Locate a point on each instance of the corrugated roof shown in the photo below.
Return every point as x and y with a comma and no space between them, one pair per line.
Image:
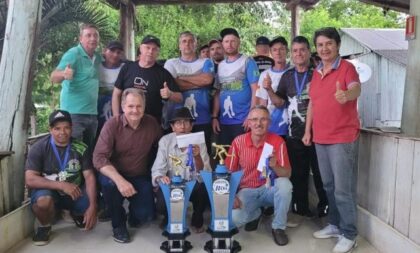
389,43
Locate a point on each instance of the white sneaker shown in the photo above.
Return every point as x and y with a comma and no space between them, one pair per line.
344,245
327,232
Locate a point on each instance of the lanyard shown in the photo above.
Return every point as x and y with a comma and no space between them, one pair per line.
299,86
61,163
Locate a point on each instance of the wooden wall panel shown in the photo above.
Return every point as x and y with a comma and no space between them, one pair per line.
414,227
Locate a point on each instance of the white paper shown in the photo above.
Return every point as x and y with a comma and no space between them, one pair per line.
186,139
266,152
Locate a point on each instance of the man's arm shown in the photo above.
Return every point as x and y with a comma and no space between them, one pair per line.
254,87
34,180
199,80
215,114
116,101
57,76
307,137
90,215
279,161
185,85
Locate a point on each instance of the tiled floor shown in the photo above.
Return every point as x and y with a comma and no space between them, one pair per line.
66,238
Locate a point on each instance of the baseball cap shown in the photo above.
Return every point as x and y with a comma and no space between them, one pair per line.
59,115
181,113
151,39
229,31
262,40
115,44
203,47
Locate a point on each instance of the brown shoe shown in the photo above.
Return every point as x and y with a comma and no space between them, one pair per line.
280,237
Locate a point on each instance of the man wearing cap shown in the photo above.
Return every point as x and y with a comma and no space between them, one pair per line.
59,174
163,169
108,72
121,156
204,51
293,92
194,76
262,55
78,74
237,78
259,189
270,78
148,76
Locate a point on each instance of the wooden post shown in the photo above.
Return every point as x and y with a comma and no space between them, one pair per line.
23,20
127,16
295,21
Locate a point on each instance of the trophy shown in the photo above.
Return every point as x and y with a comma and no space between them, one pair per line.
177,195
221,187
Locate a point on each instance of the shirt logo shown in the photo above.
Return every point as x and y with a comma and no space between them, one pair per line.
140,83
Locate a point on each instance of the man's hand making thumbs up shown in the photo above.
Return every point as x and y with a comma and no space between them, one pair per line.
341,95
267,82
68,73
165,92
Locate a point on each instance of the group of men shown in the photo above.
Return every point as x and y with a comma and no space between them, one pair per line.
257,100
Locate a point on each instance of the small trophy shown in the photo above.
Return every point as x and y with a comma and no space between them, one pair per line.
177,195
221,187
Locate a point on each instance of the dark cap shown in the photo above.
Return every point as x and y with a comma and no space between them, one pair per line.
211,42
151,39
181,113
115,44
262,40
203,47
279,39
59,115
229,31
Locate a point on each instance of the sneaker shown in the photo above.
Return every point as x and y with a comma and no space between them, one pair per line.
78,221
293,220
327,232
280,237
252,225
42,236
344,245
121,234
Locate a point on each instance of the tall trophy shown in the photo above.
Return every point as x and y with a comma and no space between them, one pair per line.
177,195
221,187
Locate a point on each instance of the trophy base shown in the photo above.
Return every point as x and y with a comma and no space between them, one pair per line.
176,246
222,247
222,242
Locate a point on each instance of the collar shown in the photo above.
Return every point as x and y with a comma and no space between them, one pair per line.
248,140
125,121
335,65
82,51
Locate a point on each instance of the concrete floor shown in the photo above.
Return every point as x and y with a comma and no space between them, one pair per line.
66,238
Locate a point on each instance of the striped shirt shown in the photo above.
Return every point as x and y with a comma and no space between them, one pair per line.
246,156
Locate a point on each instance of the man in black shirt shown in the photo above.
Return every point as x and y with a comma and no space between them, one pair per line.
156,82
262,57
59,174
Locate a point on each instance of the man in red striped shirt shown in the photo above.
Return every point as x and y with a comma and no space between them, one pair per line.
254,192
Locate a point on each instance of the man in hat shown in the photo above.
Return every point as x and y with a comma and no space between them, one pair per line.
122,155
108,72
163,169
237,78
145,74
59,174
194,76
262,55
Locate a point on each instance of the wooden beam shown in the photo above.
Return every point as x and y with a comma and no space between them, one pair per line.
127,16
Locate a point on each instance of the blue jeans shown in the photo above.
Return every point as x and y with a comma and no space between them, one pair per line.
63,201
84,128
338,167
141,207
252,199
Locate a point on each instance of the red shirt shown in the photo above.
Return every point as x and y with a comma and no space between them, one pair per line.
246,157
334,122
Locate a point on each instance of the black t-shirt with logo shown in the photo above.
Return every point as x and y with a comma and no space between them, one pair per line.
150,80
297,106
263,62
41,158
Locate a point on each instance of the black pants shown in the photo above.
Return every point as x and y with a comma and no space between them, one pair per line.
198,197
303,159
229,132
207,129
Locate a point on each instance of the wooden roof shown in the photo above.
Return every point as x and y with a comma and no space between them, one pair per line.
397,5
116,3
